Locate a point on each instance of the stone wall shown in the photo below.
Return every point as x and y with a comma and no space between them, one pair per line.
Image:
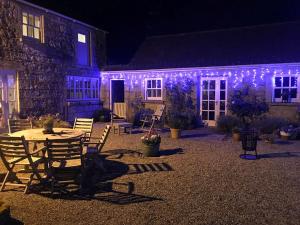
42,67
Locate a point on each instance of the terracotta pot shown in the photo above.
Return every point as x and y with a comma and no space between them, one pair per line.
150,150
175,133
236,136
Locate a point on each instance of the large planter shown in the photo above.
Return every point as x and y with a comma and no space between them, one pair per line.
150,150
4,212
285,135
236,136
175,133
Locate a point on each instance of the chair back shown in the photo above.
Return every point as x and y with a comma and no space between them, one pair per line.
13,147
15,125
159,111
120,109
65,149
104,137
84,124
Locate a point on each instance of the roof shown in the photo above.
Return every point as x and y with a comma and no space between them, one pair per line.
58,14
262,44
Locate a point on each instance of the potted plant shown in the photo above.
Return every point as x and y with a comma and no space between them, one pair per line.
236,134
48,124
151,142
286,132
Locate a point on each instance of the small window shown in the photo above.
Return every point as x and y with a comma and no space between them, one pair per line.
153,89
82,88
31,26
286,89
81,38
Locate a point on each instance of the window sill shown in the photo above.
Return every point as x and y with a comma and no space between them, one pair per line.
154,101
290,104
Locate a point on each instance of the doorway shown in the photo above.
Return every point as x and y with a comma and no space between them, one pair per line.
213,99
117,92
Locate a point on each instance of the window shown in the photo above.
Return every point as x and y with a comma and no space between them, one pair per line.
153,89
32,26
286,89
83,51
82,88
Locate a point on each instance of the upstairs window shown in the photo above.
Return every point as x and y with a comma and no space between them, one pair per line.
286,89
82,88
32,26
153,89
83,51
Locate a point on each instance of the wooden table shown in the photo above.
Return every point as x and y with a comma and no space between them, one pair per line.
125,125
38,135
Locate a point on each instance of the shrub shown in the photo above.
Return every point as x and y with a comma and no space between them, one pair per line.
49,120
102,115
227,123
269,125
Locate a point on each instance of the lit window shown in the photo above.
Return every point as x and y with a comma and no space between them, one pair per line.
31,26
286,89
81,38
82,88
153,89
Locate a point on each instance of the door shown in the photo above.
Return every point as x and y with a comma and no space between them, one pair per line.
213,99
117,93
8,97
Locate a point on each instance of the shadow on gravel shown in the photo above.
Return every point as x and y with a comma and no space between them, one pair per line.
119,153
282,142
149,167
167,152
185,136
279,155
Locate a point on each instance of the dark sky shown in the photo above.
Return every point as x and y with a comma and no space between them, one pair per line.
130,21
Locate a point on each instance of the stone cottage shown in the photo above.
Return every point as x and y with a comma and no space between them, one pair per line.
49,63
266,57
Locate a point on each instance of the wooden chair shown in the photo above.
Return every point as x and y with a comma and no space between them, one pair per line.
65,162
95,145
15,125
84,124
155,117
14,153
119,113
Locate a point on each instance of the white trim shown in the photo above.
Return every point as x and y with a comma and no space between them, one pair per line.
146,88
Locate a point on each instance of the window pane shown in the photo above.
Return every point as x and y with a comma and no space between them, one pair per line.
158,93
158,83
211,115
148,93
293,81
212,84
286,82
204,105
148,83
277,93
277,81
285,94
223,85
153,92
30,31
205,95
212,95
293,92
205,115
37,33
37,21
31,20
25,30
153,83
211,105
81,38
222,95
222,105
205,84
25,18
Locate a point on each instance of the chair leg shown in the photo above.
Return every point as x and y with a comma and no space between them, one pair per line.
4,181
28,183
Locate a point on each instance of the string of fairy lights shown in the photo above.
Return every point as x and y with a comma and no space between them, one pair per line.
254,76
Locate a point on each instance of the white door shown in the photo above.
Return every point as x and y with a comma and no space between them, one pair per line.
213,99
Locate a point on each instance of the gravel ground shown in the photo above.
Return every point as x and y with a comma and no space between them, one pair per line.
199,179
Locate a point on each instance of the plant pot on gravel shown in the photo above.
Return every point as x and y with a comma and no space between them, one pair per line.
236,134
151,143
175,133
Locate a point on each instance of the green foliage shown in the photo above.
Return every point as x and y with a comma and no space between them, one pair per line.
227,123
102,115
181,110
247,105
269,125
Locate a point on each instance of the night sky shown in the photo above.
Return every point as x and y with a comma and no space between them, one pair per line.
130,21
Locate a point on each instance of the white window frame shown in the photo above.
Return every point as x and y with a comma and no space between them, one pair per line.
279,100
26,26
83,92
146,89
